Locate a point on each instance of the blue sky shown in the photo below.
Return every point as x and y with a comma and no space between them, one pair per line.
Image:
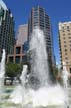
58,10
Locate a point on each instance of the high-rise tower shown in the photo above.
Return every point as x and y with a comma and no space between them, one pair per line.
39,18
65,44
6,28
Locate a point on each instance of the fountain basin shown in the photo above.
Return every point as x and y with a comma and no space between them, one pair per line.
58,106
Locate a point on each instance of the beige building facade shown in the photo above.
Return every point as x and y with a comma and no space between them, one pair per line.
65,44
22,34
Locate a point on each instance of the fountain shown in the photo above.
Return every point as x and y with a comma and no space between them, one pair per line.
65,81
35,89
39,64
18,94
2,73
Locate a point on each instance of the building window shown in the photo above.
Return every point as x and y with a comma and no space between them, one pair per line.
64,45
70,70
66,62
35,24
65,49
11,59
35,13
35,19
62,29
63,34
69,37
66,58
24,59
35,9
69,33
17,59
65,53
68,28
64,38
64,41
18,50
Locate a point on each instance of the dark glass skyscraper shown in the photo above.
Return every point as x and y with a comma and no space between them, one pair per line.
6,29
39,18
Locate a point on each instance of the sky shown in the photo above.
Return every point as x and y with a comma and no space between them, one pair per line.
58,10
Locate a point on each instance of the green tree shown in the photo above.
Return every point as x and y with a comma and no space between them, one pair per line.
55,70
13,70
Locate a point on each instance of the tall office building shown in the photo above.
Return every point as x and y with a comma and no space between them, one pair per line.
65,44
22,34
6,28
39,18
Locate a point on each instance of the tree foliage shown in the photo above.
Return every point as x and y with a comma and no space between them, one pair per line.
13,70
55,70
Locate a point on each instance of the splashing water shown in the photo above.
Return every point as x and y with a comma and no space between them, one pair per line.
39,64
23,76
44,94
65,81
2,72
17,96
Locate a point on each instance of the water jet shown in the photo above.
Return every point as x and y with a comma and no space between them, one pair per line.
39,92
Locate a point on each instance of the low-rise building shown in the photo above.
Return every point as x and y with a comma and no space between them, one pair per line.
18,56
